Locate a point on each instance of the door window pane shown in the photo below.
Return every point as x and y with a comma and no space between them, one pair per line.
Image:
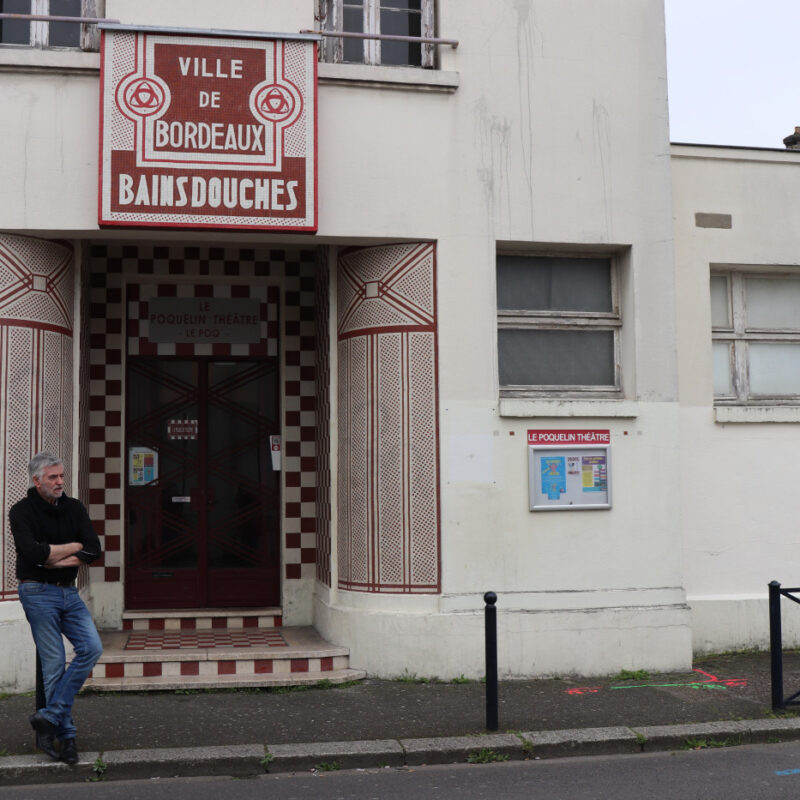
556,358
162,529
553,284
241,481
774,369
721,366
773,303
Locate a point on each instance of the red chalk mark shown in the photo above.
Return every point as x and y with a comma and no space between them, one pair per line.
711,682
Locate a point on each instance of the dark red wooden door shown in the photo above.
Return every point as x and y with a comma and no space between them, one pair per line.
203,527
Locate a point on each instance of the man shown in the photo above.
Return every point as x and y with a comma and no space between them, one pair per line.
53,537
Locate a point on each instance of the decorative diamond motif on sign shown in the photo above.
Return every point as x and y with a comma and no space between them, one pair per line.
139,96
278,103
144,97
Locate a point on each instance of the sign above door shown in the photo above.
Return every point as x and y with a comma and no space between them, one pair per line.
205,319
207,129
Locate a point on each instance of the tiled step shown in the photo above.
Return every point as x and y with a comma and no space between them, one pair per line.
166,683
202,619
138,660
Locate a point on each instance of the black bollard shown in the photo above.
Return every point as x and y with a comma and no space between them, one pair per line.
490,598
776,645
41,702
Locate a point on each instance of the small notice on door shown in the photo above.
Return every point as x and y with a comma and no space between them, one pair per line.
142,466
182,429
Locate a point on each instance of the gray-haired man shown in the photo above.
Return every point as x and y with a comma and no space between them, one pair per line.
53,537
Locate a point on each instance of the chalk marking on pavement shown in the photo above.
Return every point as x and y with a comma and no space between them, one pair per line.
712,682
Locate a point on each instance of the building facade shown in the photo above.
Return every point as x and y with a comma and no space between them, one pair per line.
736,270
464,348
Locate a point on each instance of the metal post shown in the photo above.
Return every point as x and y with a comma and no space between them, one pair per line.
776,645
41,701
490,617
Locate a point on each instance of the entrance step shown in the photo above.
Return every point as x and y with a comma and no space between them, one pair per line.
202,619
142,659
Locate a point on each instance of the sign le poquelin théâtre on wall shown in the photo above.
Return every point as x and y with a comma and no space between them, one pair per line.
208,131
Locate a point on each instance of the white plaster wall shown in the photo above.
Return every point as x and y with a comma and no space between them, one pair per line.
17,653
271,16
106,601
738,479
451,644
49,132
628,547
546,140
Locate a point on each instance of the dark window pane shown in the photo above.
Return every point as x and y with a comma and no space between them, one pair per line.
14,31
407,54
353,16
405,5
353,21
527,283
240,401
400,23
65,34
556,358
162,534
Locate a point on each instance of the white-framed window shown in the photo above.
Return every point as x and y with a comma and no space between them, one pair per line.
387,17
43,34
559,325
755,320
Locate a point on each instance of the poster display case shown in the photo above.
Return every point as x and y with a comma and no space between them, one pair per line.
569,470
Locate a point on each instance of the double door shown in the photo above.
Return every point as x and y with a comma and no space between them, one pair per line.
202,494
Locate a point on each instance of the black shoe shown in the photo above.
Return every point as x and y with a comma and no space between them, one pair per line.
41,724
46,743
69,752
45,734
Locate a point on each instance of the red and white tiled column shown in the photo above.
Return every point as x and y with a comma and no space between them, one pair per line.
36,370
388,491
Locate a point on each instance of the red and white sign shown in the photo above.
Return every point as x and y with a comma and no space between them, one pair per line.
207,131
569,438
182,429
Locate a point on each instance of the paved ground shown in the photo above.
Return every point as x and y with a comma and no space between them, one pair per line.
725,689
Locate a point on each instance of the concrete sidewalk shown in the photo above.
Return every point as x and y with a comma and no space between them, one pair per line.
725,701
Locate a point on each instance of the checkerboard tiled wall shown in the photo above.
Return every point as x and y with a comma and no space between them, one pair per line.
323,409
111,268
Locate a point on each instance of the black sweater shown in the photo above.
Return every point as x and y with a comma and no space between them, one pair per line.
36,524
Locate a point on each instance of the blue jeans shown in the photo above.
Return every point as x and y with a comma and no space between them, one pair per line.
52,611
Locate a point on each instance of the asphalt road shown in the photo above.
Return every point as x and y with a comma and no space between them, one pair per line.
754,772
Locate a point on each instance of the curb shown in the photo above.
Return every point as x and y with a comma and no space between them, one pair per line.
255,759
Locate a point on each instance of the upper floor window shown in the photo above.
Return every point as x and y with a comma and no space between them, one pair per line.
39,33
558,325
755,322
411,18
